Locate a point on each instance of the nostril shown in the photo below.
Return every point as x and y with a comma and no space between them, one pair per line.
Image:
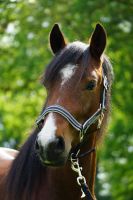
60,145
37,147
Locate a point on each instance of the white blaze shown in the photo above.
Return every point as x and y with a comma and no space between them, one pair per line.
47,134
67,72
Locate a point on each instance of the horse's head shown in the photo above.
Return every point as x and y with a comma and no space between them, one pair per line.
74,80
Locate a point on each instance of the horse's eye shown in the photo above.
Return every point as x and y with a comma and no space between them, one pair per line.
91,85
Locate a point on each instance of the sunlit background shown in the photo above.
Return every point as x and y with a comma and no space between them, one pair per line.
24,53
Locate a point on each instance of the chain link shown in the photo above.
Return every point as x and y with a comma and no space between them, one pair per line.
76,168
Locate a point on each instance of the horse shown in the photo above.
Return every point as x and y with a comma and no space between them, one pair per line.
58,160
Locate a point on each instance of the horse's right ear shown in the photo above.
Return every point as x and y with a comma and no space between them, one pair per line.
57,41
98,41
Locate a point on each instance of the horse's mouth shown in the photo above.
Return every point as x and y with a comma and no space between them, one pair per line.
53,164
58,162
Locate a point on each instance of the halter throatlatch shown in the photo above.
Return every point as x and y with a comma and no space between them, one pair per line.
82,129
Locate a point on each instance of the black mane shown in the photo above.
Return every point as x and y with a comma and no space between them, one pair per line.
25,172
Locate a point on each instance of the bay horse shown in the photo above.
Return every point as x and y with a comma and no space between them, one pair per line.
58,160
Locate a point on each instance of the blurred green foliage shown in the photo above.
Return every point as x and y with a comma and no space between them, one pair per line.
24,53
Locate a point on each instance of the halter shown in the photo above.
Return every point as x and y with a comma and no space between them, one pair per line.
82,129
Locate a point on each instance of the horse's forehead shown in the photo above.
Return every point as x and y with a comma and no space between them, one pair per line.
70,71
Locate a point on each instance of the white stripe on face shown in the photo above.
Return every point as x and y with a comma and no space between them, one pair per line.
48,132
67,72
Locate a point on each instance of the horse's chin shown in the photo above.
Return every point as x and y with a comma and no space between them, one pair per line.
54,163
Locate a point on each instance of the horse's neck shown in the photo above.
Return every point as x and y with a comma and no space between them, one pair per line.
62,181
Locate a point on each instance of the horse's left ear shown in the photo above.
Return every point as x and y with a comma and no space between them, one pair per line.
57,41
98,41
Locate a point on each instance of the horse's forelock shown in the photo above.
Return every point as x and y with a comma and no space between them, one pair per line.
69,55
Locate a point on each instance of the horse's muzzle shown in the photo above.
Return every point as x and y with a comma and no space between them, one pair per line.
53,154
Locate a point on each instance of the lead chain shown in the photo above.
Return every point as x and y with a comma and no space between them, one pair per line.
76,168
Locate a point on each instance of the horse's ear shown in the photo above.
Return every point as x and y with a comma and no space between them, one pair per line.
98,41
57,41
